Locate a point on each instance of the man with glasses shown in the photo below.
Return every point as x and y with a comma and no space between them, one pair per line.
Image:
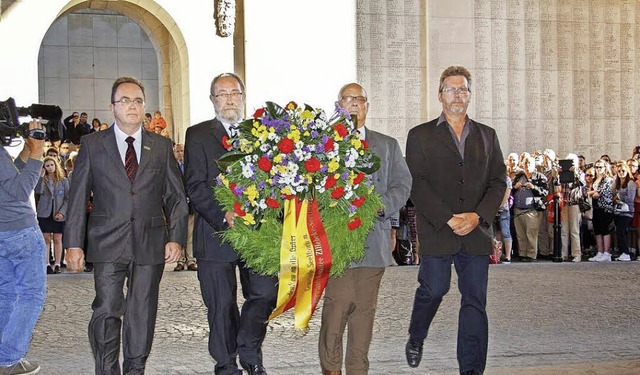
138,223
231,333
350,300
458,185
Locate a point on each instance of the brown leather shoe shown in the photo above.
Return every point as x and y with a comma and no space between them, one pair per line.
192,267
329,372
179,267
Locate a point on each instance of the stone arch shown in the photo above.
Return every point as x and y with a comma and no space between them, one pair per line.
171,49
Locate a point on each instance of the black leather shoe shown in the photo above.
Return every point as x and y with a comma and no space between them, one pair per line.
257,369
471,372
413,350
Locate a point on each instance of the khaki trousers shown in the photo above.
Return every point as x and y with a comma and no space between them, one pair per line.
187,252
527,223
350,299
570,219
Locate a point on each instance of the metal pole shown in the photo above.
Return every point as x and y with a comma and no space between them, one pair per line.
557,229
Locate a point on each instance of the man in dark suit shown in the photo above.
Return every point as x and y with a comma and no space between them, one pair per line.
351,299
231,334
458,184
138,222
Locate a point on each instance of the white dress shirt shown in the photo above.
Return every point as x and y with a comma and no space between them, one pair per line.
123,145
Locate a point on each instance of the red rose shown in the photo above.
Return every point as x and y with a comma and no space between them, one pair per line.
237,208
353,224
358,201
264,163
365,144
358,178
291,105
272,203
232,187
286,145
312,165
330,182
338,192
329,145
341,130
259,112
226,143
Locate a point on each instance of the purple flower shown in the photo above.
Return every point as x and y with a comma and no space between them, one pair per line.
238,190
324,168
344,175
319,149
261,184
352,208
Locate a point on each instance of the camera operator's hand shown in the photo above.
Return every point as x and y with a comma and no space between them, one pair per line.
33,148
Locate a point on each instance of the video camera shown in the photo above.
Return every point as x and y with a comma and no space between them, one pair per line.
11,128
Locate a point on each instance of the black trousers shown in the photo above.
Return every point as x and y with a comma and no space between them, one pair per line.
139,309
232,333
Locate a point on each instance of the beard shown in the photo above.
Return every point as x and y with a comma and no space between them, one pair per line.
229,115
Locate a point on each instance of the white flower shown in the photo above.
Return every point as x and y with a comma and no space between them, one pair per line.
262,204
247,172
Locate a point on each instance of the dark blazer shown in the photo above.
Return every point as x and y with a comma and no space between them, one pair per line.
203,146
141,216
444,184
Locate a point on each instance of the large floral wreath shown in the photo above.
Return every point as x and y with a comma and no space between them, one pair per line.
296,152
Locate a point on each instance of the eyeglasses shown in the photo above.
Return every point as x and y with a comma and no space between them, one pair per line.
127,102
456,90
599,166
589,175
358,99
224,95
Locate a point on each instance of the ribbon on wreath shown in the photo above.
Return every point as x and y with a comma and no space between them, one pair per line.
305,261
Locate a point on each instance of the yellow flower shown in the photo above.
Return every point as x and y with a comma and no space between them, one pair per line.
356,143
224,180
294,135
251,193
249,219
286,191
333,166
277,159
306,115
245,146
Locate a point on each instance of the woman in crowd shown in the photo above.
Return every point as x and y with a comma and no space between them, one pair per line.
504,220
529,186
570,215
53,192
95,125
634,236
601,193
625,194
587,239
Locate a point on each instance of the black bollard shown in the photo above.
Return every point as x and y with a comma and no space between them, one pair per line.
557,230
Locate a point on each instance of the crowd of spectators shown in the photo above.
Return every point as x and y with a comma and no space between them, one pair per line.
599,207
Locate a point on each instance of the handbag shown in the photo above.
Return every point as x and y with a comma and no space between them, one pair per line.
584,205
621,208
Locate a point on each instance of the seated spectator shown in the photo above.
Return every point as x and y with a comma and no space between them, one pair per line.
158,121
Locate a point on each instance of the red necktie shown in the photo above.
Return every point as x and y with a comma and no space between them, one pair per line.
130,159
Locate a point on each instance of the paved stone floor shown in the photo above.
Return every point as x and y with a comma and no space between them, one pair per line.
544,318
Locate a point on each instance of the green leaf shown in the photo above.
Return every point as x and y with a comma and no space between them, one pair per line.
369,170
274,110
229,159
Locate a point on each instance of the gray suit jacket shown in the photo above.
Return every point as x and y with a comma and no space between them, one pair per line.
140,217
445,184
393,182
60,194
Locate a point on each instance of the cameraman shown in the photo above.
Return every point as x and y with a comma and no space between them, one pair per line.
22,256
